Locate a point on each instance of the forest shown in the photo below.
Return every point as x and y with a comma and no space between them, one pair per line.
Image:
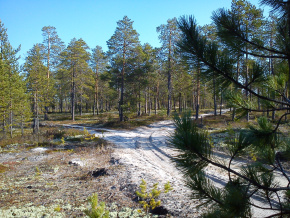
129,77
240,62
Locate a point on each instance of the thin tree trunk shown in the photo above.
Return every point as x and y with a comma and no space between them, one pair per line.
179,99
236,88
169,85
146,103
150,102
48,78
247,77
221,103
96,96
155,109
214,96
11,121
157,96
139,104
22,125
197,93
35,118
121,116
73,95
81,106
4,125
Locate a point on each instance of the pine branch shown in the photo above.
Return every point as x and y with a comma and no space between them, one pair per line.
242,176
241,85
281,168
260,55
278,214
264,208
279,121
194,44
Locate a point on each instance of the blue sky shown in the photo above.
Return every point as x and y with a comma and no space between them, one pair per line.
94,20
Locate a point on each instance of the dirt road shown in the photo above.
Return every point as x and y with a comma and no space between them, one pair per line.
147,156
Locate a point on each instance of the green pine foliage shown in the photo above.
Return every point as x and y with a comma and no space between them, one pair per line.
75,65
36,80
258,176
14,105
122,47
97,210
241,58
149,198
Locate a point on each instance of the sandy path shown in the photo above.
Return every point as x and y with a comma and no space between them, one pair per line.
147,156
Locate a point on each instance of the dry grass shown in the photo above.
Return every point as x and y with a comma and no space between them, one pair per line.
49,179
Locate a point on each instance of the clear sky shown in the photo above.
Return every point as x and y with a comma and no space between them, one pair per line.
95,20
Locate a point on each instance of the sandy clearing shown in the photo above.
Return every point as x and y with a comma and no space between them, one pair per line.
147,156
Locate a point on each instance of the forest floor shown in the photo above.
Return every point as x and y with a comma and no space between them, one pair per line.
56,182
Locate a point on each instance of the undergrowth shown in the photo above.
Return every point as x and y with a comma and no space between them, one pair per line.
149,198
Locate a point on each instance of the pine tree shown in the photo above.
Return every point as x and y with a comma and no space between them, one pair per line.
99,63
13,91
36,79
52,47
121,47
75,59
250,20
168,35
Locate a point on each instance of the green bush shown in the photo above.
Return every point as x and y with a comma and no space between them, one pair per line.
97,210
148,199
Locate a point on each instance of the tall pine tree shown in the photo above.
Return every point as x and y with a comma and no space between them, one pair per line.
13,91
121,47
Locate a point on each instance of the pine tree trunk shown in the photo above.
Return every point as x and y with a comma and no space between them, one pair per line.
155,109
73,95
247,78
179,99
4,125
221,103
149,102
22,125
169,85
214,96
48,79
61,105
197,94
121,103
101,107
121,116
139,104
145,108
96,97
157,96
236,88
35,118
11,121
